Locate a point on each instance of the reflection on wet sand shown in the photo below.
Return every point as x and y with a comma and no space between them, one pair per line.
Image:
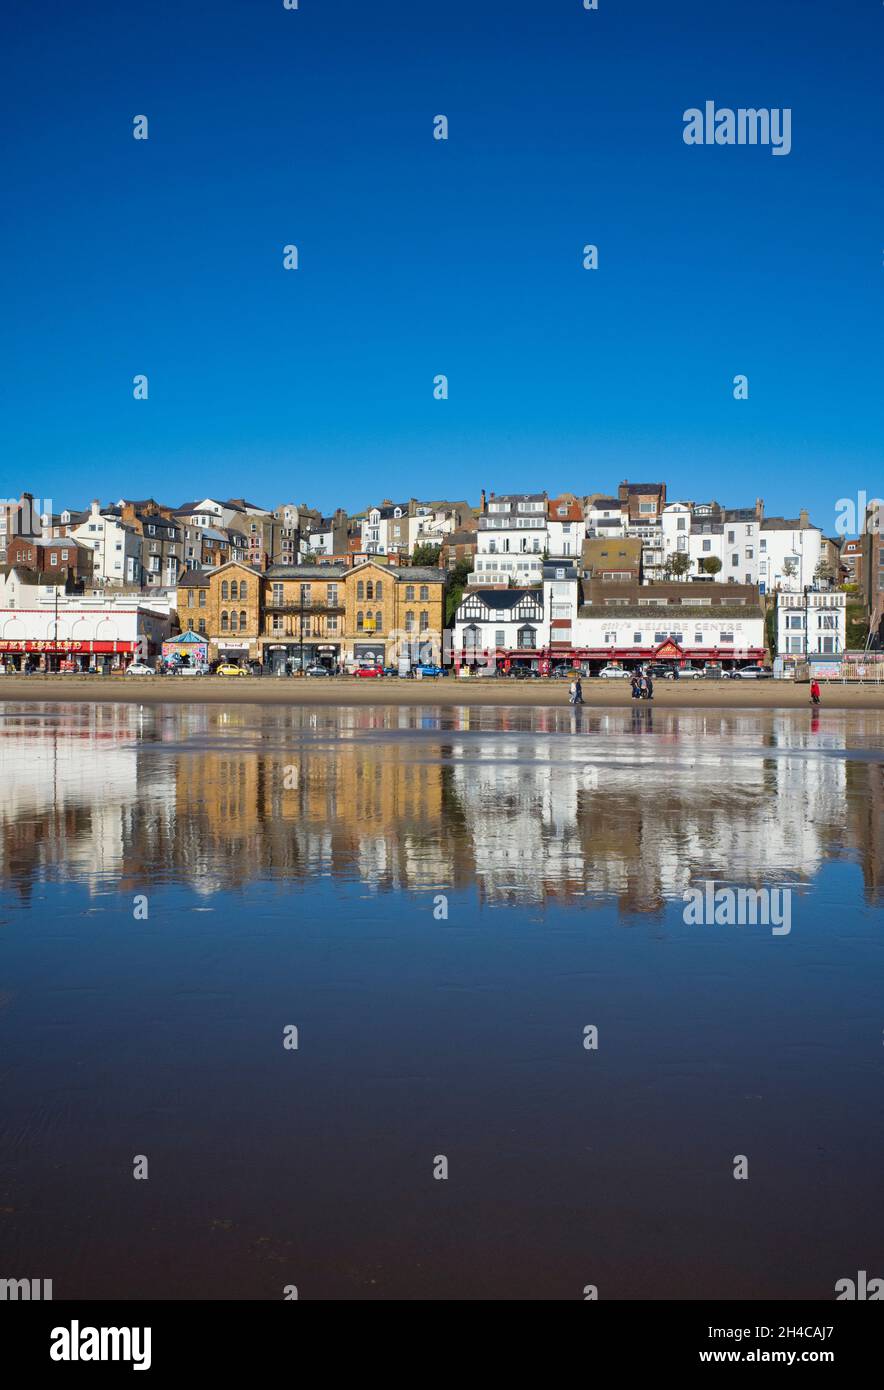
528,805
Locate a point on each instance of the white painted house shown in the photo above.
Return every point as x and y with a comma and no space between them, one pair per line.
811,624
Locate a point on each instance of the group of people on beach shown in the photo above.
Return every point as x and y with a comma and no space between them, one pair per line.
642,685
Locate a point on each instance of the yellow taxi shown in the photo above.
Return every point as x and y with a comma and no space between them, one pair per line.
227,668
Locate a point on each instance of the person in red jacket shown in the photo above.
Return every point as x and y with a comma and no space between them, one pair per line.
815,692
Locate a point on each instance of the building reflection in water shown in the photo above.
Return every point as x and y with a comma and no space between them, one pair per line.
527,805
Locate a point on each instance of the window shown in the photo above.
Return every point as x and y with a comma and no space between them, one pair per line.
277,594
750,553
369,590
610,638
637,638
202,625
360,590
242,620
331,624
306,592
276,623
225,589
698,639
53,559
726,637
735,560
360,622
705,546
425,622
731,537
379,588
409,621
202,598
425,593
794,620
500,637
225,621
527,637
234,591
681,523
647,508
409,593
190,598
233,620
64,555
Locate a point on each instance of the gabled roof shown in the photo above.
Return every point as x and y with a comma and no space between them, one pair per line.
501,599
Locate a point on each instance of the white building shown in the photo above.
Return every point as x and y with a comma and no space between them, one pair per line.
811,624
789,553
605,516
116,546
566,528
499,623
512,537
42,624
561,601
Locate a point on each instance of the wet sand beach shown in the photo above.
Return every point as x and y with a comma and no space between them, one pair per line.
543,693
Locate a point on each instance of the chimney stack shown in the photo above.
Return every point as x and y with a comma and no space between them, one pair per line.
803,519
482,502
759,508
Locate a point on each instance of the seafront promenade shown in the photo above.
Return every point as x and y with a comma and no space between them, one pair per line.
343,690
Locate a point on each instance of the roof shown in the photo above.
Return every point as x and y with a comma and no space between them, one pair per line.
426,572
643,487
685,613
194,579
606,502
307,571
784,523
501,598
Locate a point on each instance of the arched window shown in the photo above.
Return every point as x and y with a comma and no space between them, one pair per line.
243,590
360,620
379,589
233,620
233,593
369,590
224,621
409,621
360,590
225,589
425,622
242,620
378,624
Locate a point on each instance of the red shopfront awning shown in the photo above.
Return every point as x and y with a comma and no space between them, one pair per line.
65,647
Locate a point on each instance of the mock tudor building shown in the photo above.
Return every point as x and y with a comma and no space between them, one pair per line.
500,628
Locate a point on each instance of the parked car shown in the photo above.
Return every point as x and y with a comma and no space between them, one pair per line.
713,673
227,668
370,672
565,673
427,668
523,673
392,671
753,673
690,673
614,673
191,671
138,668
317,669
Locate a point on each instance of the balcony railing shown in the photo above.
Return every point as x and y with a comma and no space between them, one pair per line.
308,606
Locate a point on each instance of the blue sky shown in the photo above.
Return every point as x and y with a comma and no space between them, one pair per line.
420,257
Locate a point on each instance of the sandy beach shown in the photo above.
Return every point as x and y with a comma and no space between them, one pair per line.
706,694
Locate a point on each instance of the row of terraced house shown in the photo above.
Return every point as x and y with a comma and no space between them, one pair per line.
625,576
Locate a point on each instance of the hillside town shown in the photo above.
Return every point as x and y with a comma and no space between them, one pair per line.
513,584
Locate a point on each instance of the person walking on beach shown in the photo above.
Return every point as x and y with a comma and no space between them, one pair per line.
636,686
578,684
814,692
649,685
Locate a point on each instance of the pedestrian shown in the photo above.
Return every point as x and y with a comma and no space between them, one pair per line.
649,685
572,693
814,692
578,685
636,686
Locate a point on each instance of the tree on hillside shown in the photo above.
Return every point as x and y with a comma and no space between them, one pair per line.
678,564
426,554
456,584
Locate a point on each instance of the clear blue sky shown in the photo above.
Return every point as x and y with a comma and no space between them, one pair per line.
417,257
